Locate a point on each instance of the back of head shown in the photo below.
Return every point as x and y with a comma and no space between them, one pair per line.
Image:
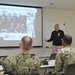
67,39
26,42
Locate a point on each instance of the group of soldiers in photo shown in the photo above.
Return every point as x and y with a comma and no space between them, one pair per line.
12,23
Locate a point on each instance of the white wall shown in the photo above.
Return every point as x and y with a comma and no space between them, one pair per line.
49,16
58,16
37,51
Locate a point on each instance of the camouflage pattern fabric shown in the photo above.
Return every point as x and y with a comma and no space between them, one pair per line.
21,64
65,57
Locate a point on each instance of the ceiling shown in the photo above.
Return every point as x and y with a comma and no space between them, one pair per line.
58,4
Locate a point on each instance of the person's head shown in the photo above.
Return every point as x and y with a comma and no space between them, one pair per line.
56,27
26,44
67,40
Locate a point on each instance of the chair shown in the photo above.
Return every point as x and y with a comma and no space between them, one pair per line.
52,56
4,56
33,74
70,70
8,73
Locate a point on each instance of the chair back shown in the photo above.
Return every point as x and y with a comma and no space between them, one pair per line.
8,73
24,74
70,69
53,56
33,74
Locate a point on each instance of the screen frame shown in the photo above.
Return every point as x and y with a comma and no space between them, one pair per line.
41,23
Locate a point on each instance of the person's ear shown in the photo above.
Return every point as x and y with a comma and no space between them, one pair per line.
20,45
32,46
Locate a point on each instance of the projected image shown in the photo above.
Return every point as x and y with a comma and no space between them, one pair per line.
17,22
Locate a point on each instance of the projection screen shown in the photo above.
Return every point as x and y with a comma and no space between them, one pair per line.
18,21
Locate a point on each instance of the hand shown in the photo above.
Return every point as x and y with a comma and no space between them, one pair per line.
45,40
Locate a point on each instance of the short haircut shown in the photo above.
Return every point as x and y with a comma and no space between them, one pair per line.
26,45
67,39
57,25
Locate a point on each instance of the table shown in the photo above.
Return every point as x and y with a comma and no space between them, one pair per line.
1,68
51,64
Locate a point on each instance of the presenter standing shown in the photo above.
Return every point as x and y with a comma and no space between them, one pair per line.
56,37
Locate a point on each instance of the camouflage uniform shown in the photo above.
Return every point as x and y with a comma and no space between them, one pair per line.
65,57
21,64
